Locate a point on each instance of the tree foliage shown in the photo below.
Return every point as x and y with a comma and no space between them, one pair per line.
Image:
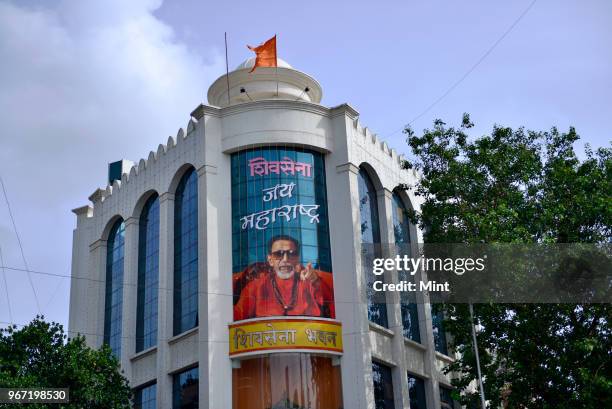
518,186
40,355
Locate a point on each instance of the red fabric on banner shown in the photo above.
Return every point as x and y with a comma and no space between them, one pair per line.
313,299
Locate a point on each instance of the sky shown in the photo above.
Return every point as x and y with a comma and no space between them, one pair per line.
85,83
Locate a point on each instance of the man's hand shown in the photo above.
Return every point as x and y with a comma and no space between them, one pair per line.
307,273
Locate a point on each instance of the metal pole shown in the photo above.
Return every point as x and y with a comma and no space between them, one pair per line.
480,386
227,71
276,63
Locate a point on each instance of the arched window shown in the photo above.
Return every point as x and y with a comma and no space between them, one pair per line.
113,299
401,230
368,210
370,240
186,253
148,275
401,223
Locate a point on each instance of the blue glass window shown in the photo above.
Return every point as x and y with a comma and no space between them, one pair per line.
401,230
416,392
437,321
185,390
446,398
148,275
145,397
370,236
250,245
113,300
186,253
383,386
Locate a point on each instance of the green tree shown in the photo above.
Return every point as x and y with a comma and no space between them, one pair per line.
40,355
517,186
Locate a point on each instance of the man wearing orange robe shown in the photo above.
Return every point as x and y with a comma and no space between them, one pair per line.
288,288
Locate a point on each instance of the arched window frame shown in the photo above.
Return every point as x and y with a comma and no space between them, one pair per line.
148,275
113,298
402,233
369,214
185,305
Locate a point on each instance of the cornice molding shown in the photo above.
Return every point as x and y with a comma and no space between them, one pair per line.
166,196
348,167
97,244
131,221
204,169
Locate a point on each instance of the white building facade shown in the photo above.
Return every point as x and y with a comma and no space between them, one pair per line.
166,258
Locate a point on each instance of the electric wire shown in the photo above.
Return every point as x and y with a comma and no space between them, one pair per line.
127,284
20,245
8,300
469,71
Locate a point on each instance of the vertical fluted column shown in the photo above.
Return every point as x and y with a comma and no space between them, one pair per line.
130,291
432,387
204,383
349,286
394,313
216,283
96,289
165,296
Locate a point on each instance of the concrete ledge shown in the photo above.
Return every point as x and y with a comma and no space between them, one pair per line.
381,330
409,342
445,358
144,353
182,335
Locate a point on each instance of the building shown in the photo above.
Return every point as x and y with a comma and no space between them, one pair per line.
226,268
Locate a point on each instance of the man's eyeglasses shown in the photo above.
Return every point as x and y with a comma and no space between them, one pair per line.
281,253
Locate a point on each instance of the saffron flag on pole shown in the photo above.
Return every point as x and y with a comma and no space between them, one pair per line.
265,54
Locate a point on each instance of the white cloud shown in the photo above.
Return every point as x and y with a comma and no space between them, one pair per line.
82,84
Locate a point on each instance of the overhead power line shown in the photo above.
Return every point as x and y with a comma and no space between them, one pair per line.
472,68
25,263
8,300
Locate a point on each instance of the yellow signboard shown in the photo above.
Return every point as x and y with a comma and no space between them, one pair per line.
270,335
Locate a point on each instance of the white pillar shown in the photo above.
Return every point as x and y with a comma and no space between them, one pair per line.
130,292
432,386
96,290
394,313
165,296
218,275
349,286
204,382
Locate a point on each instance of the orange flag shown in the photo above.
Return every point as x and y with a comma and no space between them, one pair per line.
265,54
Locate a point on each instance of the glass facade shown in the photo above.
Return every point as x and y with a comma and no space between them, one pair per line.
416,392
370,235
148,275
401,230
113,299
185,389
280,234
186,253
145,397
446,398
282,381
383,386
437,322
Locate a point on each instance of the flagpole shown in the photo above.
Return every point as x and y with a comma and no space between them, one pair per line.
276,57
227,71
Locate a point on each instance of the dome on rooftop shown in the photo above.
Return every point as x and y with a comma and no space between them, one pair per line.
265,83
249,62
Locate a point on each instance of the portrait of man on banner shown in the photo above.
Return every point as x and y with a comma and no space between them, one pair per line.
283,286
